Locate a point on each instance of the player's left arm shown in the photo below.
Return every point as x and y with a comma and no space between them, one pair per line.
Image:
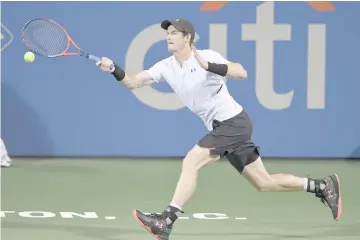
217,64
234,70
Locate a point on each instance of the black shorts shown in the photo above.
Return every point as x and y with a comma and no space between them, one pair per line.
232,139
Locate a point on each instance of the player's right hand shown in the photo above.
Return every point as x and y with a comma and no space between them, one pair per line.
106,64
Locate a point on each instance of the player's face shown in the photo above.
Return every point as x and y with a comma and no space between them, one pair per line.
176,39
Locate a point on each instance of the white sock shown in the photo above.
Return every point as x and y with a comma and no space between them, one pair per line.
306,184
175,206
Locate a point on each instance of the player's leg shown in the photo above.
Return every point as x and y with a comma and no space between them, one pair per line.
5,160
193,162
253,169
246,159
258,176
160,224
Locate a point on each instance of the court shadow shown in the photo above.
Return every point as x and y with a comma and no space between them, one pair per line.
22,129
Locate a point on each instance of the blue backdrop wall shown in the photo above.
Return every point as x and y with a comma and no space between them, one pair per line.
302,91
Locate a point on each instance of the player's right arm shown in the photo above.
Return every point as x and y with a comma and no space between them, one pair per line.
139,80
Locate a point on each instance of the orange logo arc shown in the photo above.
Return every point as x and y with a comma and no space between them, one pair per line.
213,6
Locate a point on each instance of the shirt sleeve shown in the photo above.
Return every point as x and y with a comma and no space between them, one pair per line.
156,71
215,57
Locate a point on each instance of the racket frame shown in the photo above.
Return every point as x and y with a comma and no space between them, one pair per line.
70,42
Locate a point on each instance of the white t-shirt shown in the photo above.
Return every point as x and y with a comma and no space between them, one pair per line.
203,92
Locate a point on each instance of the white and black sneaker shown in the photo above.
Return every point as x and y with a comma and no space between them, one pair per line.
331,195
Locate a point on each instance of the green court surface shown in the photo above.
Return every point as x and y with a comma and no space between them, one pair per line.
76,199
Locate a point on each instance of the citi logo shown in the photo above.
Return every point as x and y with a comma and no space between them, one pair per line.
264,32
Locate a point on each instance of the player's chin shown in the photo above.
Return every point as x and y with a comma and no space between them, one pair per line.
171,48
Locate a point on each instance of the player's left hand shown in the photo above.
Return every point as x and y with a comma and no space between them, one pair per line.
204,64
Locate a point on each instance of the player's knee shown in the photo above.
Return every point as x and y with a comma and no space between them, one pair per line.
195,159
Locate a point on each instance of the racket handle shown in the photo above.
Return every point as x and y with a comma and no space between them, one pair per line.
97,59
94,58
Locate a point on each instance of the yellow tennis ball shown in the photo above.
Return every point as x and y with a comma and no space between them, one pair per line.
29,57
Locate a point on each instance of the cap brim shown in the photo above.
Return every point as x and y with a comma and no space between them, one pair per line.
166,24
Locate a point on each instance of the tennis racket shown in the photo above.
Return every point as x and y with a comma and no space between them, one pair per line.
47,38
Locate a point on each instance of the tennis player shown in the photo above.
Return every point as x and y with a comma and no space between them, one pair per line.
197,76
5,160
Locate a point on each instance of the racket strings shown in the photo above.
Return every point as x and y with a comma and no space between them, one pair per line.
45,38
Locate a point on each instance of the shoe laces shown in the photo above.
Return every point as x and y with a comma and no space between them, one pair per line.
155,215
324,202
320,194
